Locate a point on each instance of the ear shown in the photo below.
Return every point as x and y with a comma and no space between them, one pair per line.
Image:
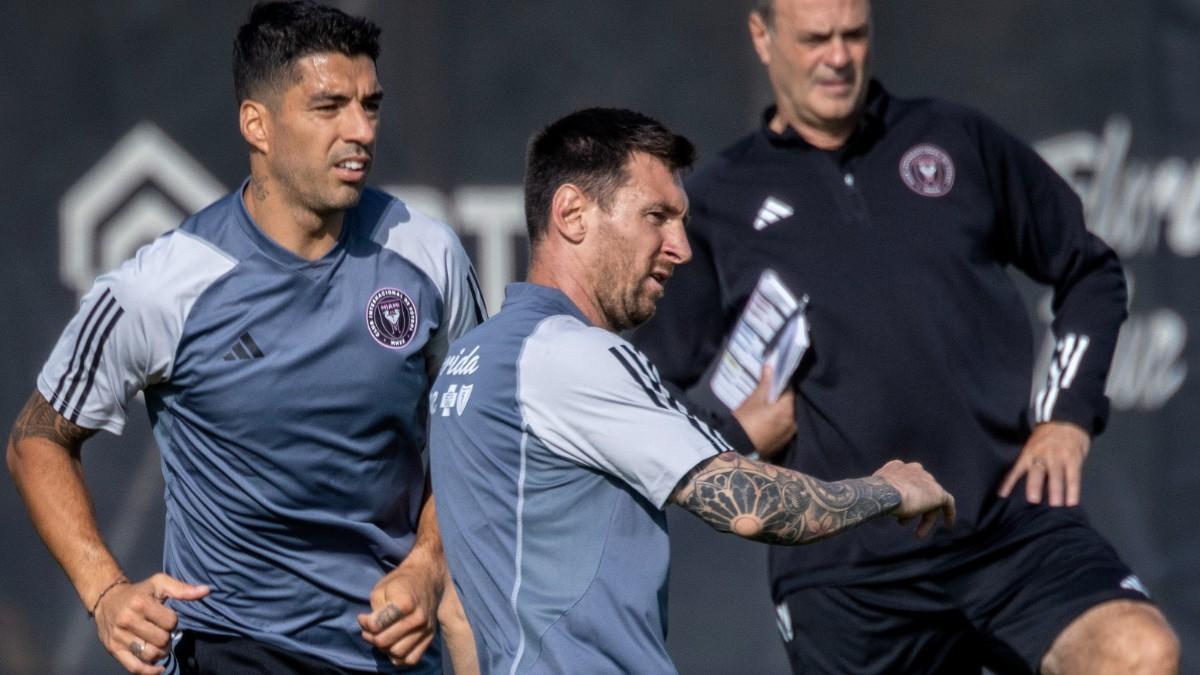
760,35
254,122
568,209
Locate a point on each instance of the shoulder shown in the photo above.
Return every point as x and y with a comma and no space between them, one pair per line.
219,226
563,354
395,225
564,336
179,264
941,113
562,343
427,243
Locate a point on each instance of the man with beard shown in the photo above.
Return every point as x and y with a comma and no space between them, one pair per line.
554,446
899,219
284,338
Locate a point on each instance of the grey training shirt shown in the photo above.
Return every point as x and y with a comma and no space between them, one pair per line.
554,448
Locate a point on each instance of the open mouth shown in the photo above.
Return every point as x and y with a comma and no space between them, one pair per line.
352,169
660,277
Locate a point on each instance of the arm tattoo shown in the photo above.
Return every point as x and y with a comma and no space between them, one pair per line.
776,505
39,420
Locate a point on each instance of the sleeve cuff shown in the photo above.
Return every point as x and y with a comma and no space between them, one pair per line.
1091,416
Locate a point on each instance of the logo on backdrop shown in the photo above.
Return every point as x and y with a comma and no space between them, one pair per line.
143,187
391,318
147,184
927,170
1143,210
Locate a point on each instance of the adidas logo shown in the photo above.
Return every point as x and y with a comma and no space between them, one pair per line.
772,211
1133,583
244,349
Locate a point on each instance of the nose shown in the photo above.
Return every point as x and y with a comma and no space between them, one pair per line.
839,52
675,244
359,125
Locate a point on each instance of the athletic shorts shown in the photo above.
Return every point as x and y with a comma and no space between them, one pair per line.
1001,610
206,654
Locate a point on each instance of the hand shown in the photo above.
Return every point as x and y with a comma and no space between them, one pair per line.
404,612
1052,458
135,626
920,495
769,425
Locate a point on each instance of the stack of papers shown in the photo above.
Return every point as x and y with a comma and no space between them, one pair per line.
773,330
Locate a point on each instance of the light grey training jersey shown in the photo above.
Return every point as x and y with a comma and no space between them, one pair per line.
554,449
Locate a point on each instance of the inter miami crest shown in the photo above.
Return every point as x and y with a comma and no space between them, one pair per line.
391,318
927,170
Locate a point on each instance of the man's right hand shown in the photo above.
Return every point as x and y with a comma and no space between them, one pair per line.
135,626
920,495
768,424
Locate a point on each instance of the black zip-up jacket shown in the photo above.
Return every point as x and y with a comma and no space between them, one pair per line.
922,348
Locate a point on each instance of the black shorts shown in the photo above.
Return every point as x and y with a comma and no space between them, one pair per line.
206,654
1001,610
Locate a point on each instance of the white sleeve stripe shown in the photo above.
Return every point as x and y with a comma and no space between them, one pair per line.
1050,393
65,408
616,352
1048,410
520,549
79,340
1064,365
1075,359
654,388
1037,406
91,376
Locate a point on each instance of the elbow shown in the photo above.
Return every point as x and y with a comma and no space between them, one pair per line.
41,439
28,457
18,460
456,630
453,620
450,613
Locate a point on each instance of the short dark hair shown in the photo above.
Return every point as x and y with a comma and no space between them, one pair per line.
277,33
590,148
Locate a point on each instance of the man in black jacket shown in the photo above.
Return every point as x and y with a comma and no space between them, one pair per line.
899,219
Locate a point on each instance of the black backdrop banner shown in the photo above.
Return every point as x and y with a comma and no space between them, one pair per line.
119,119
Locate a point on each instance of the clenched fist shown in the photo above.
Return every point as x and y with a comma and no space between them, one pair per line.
920,495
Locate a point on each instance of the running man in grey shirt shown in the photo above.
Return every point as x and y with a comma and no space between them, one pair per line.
555,447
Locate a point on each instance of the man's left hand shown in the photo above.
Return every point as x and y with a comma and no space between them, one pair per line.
403,616
1051,459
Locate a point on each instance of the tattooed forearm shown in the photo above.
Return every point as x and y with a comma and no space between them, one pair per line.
39,420
778,506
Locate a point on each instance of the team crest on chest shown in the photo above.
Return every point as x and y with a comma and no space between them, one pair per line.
927,170
391,318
